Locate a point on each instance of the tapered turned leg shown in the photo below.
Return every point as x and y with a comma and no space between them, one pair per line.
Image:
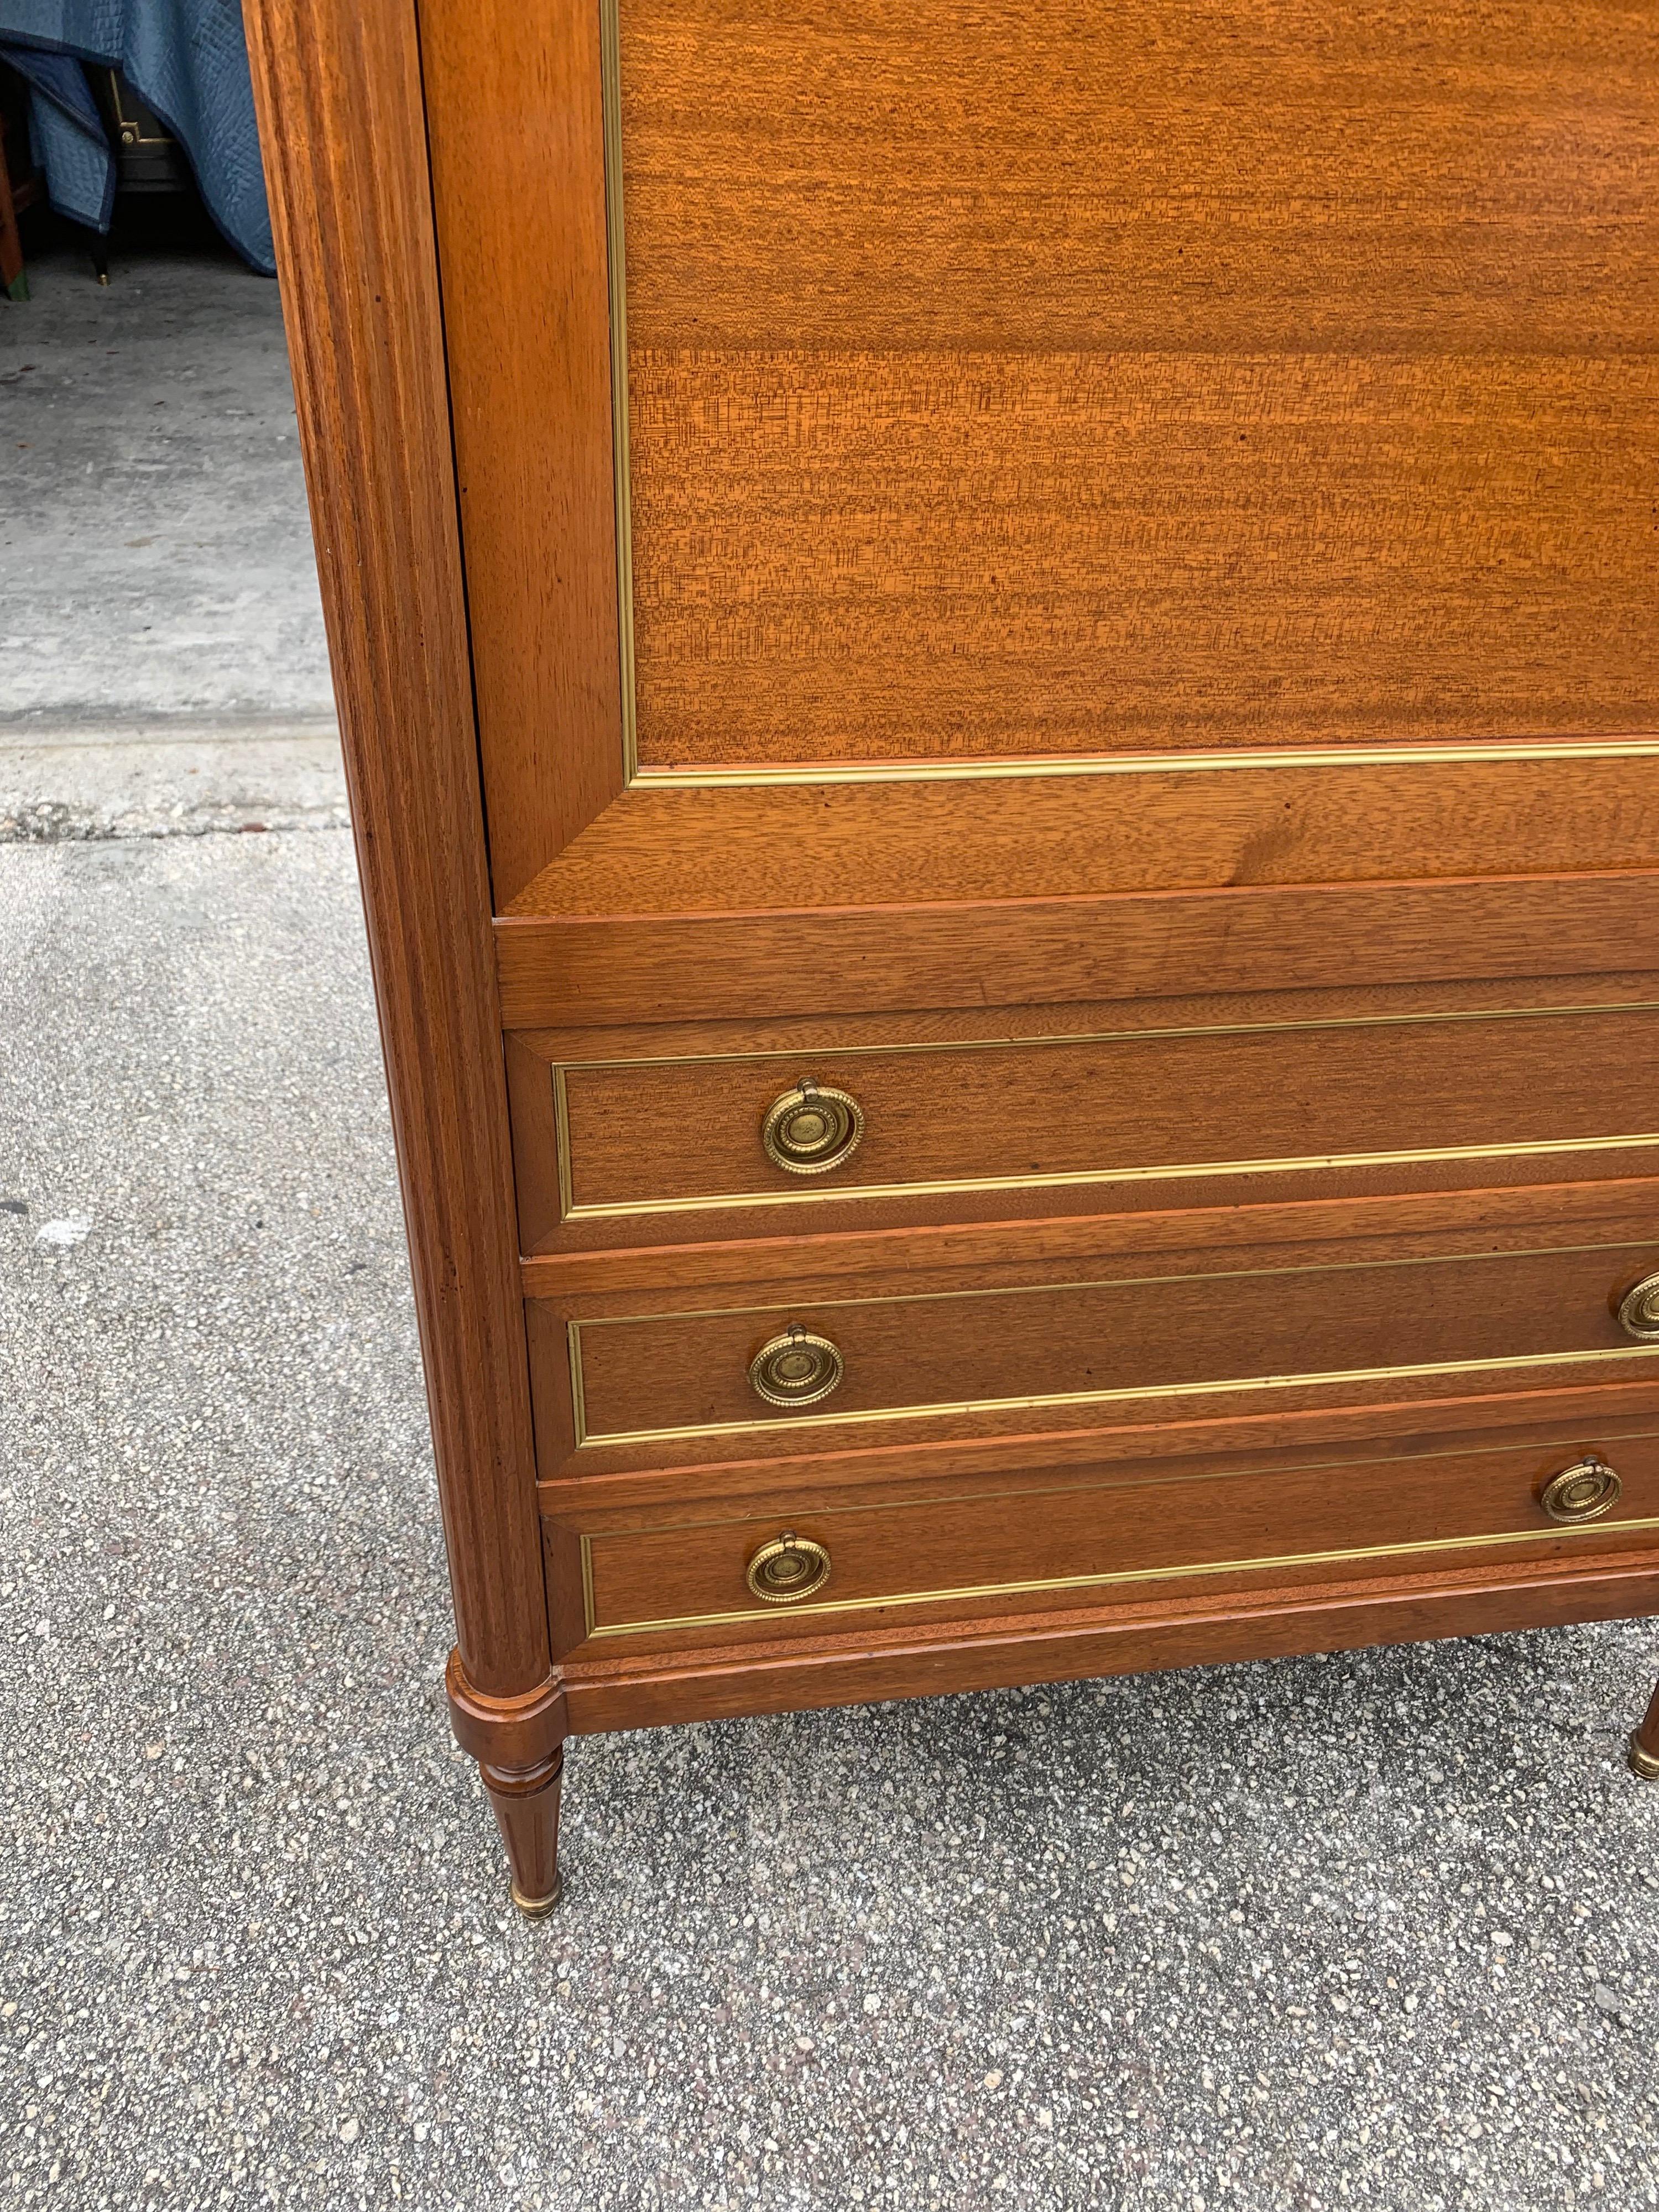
518,1743
526,1803
1644,1745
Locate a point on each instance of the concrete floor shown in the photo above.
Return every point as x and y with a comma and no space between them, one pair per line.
1377,1929
153,533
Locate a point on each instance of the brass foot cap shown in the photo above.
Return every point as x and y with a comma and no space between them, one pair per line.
536,1908
1644,1763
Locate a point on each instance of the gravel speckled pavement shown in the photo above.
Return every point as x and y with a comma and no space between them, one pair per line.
1380,1929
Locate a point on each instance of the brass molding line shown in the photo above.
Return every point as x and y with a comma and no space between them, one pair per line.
772,1306
966,1408
1036,1587
1147,763
922,1499
616,241
1152,1031
1306,1162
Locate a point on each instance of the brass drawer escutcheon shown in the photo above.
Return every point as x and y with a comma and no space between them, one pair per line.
811,1130
1584,1491
795,1369
788,1569
1638,1310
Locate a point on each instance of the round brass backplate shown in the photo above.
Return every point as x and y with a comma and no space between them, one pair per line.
795,1369
811,1130
1584,1491
1638,1310
788,1569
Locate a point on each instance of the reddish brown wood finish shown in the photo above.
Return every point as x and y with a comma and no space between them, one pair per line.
677,1575
664,850
1423,550
719,1680
1063,385
525,1804
812,960
975,1353
513,122
339,88
687,1132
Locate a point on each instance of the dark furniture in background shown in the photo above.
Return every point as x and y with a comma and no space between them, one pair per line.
19,186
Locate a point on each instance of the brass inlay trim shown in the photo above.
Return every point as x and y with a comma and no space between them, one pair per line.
1082,1484
588,1615
1144,763
615,244
1297,1164
570,1209
1125,1282
1237,1384
1118,1577
562,1142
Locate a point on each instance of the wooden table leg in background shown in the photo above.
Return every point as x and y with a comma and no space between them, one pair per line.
14,199
1644,1745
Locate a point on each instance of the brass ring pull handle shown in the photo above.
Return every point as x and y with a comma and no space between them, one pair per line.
1584,1491
788,1569
795,1369
811,1129
1638,1310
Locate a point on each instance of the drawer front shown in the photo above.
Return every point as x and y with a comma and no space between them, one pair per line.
644,1137
1016,1550
953,1358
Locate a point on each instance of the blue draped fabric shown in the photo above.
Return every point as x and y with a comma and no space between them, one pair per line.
187,59
66,134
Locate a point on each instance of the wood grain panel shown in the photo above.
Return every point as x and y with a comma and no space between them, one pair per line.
1047,952
518,180
1070,378
934,556
1037,1546
1051,1351
687,1133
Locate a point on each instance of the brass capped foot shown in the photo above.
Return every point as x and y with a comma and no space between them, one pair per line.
538,1908
1643,1761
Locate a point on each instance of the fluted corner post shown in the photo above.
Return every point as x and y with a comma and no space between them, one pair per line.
338,85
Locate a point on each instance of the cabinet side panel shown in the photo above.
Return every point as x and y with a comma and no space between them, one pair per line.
337,84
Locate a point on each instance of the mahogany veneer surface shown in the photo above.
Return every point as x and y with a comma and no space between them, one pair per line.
1063,379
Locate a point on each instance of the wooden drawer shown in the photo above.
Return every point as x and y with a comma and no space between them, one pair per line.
1315,1096
956,1360
1026,1547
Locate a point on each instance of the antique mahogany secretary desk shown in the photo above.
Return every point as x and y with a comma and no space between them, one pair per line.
999,671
